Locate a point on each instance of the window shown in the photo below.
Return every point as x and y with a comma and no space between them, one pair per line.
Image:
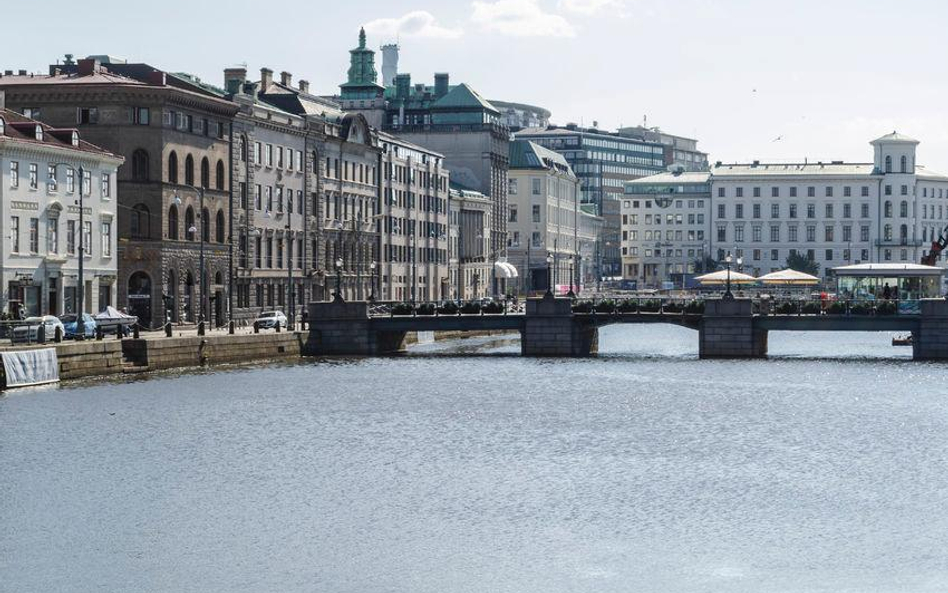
864,233
87,115
793,192
106,185
106,238
756,210
774,254
141,116
536,213
775,192
52,235
87,238
205,173
756,234
258,197
173,167
189,228
269,196
792,234
140,221
34,235
512,187
722,211
220,175
847,210
865,191
738,234
775,210
810,233
887,209
903,209
220,227
811,210
269,155
903,191
242,148
140,165
739,192
904,164
536,186
51,177
173,222
756,192
865,211
887,232
774,234
888,190
811,192
71,237
888,164
15,234
189,170
829,191
829,255
14,174
205,226
720,192
513,214
828,234
847,192
738,210
847,233
34,176
829,211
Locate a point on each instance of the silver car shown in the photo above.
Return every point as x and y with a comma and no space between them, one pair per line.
28,331
271,319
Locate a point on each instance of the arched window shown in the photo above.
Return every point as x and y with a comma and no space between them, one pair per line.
218,278
887,209
903,209
888,164
887,232
189,170
219,229
904,164
140,165
205,226
205,173
189,224
242,148
173,167
173,222
903,233
220,175
140,222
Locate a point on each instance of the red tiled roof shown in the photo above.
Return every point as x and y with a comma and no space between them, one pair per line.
23,129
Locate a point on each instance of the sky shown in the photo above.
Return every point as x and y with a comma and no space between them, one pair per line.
767,80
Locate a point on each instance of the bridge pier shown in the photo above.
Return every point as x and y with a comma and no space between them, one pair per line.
727,331
338,328
551,329
930,340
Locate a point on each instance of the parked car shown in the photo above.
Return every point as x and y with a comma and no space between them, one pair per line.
271,319
70,323
28,331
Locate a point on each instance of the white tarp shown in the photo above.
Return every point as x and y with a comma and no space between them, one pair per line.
30,367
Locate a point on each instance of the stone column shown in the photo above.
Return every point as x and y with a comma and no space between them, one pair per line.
727,331
930,340
551,329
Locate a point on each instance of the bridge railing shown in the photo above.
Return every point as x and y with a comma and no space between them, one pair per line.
447,308
640,305
837,307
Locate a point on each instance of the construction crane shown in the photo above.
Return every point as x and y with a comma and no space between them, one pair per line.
937,247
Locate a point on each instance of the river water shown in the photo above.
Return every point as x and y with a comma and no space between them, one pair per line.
642,470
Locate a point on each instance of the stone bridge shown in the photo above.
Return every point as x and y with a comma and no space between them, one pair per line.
549,327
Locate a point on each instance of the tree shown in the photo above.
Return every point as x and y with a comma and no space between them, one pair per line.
705,265
801,263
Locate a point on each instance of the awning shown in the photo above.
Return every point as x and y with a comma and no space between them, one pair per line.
504,270
789,278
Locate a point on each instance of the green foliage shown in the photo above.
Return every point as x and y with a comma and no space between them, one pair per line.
812,308
802,263
606,306
786,308
694,307
582,307
860,309
627,306
425,309
493,307
886,308
836,308
673,307
471,308
705,265
448,308
402,309
650,306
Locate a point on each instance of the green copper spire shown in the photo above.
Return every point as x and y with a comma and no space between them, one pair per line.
362,81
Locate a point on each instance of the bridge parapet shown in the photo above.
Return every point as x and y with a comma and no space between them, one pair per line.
930,340
727,331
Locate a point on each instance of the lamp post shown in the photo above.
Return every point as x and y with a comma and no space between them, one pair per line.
372,268
289,263
728,296
571,294
80,293
411,239
193,229
549,275
338,279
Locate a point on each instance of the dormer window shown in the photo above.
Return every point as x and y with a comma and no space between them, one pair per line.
75,138
39,132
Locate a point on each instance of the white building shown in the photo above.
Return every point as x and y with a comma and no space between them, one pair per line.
40,185
835,213
468,243
543,213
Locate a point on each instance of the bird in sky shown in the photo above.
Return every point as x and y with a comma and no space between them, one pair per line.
777,139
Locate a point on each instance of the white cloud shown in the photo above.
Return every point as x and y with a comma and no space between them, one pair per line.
418,23
591,7
520,18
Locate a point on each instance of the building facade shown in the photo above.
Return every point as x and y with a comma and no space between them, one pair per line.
471,269
543,218
413,230
175,138
834,213
48,176
518,116
680,152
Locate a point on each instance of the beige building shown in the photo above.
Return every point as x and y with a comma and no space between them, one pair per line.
471,268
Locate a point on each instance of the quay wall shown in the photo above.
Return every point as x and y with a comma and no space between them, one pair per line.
170,353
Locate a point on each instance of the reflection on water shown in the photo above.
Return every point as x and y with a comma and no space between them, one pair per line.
645,469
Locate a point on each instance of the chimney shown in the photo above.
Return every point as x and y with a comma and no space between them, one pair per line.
402,86
441,84
22,72
155,77
8,72
234,79
286,79
304,86
88,66
266,79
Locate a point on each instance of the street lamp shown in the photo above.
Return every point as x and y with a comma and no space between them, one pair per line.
571,294
192,230
372,267
80,295
549,274
728,296
411,239
338,278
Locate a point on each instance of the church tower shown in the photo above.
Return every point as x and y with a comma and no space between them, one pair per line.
362,92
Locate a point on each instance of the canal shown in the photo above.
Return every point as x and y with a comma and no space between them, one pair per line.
823,468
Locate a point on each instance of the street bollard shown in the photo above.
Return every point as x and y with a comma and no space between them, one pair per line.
135,331
201,328
278,326
231,327
168,329
41,333
59,335
99,334
256,327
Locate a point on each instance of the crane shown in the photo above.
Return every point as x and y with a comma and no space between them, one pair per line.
937,247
